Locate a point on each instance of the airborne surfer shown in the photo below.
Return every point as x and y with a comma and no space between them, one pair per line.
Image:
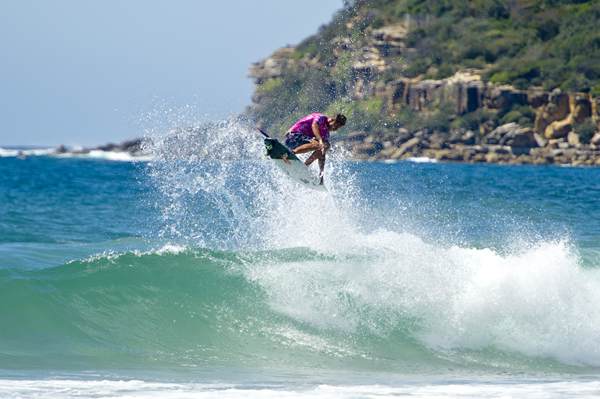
311,133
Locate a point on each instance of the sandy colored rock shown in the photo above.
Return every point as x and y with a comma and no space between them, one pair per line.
580,106
557,109
573,138
559,129
405,147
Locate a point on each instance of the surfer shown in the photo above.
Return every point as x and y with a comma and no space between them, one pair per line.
311,133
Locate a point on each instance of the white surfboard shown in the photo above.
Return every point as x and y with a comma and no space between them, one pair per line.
289,163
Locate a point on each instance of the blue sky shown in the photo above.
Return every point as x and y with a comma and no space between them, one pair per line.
79,72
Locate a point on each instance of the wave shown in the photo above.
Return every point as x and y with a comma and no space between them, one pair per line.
331,278
394,303
260,273
13,153
121,156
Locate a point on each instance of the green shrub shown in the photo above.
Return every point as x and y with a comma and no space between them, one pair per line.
511,116
520,83
586,129
472,120
501,77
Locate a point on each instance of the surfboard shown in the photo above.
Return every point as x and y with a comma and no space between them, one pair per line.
291,165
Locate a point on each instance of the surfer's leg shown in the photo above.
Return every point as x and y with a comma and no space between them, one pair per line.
307,147
294,141
317,154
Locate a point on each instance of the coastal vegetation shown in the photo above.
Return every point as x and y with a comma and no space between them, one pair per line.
443,67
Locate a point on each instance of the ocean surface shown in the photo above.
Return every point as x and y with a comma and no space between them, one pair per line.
201,271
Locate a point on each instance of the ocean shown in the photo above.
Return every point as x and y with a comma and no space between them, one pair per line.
201,271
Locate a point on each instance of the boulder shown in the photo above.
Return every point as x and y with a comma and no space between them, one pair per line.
368,148
573,138
403,135
415,141
503,97
521,137
462,136
495,157
496,136
456,136
559,129
537,99
450,155
437,140
469,138
596,139
511,134
540,140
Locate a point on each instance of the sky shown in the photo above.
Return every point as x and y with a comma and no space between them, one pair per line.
91,72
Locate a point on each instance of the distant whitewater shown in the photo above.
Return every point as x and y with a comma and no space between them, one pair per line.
205,272
129,150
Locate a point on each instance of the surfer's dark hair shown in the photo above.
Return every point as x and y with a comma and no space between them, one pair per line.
340,119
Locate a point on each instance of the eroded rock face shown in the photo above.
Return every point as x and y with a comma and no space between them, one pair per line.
272,67
580,107
556,109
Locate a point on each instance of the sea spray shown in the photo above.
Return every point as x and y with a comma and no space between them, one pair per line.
358,279
220,169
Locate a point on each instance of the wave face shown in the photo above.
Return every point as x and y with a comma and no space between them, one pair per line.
394,303
220,260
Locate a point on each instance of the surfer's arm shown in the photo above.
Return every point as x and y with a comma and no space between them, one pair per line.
317,132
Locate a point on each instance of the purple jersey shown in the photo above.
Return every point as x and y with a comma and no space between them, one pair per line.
304,126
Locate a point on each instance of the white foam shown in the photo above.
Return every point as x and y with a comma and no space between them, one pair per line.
118,156
422,160
8,153
537,301
64,389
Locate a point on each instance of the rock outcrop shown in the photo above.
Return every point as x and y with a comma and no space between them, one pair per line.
133,147
522,126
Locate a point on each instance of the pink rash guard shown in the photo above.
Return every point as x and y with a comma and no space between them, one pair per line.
304,126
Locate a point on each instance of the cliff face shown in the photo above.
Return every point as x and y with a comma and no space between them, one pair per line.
461,117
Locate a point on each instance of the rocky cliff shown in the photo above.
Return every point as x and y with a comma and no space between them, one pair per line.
461,117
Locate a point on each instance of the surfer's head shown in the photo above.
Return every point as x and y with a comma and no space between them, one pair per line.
337,122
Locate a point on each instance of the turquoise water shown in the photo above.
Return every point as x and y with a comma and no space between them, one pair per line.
215,276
